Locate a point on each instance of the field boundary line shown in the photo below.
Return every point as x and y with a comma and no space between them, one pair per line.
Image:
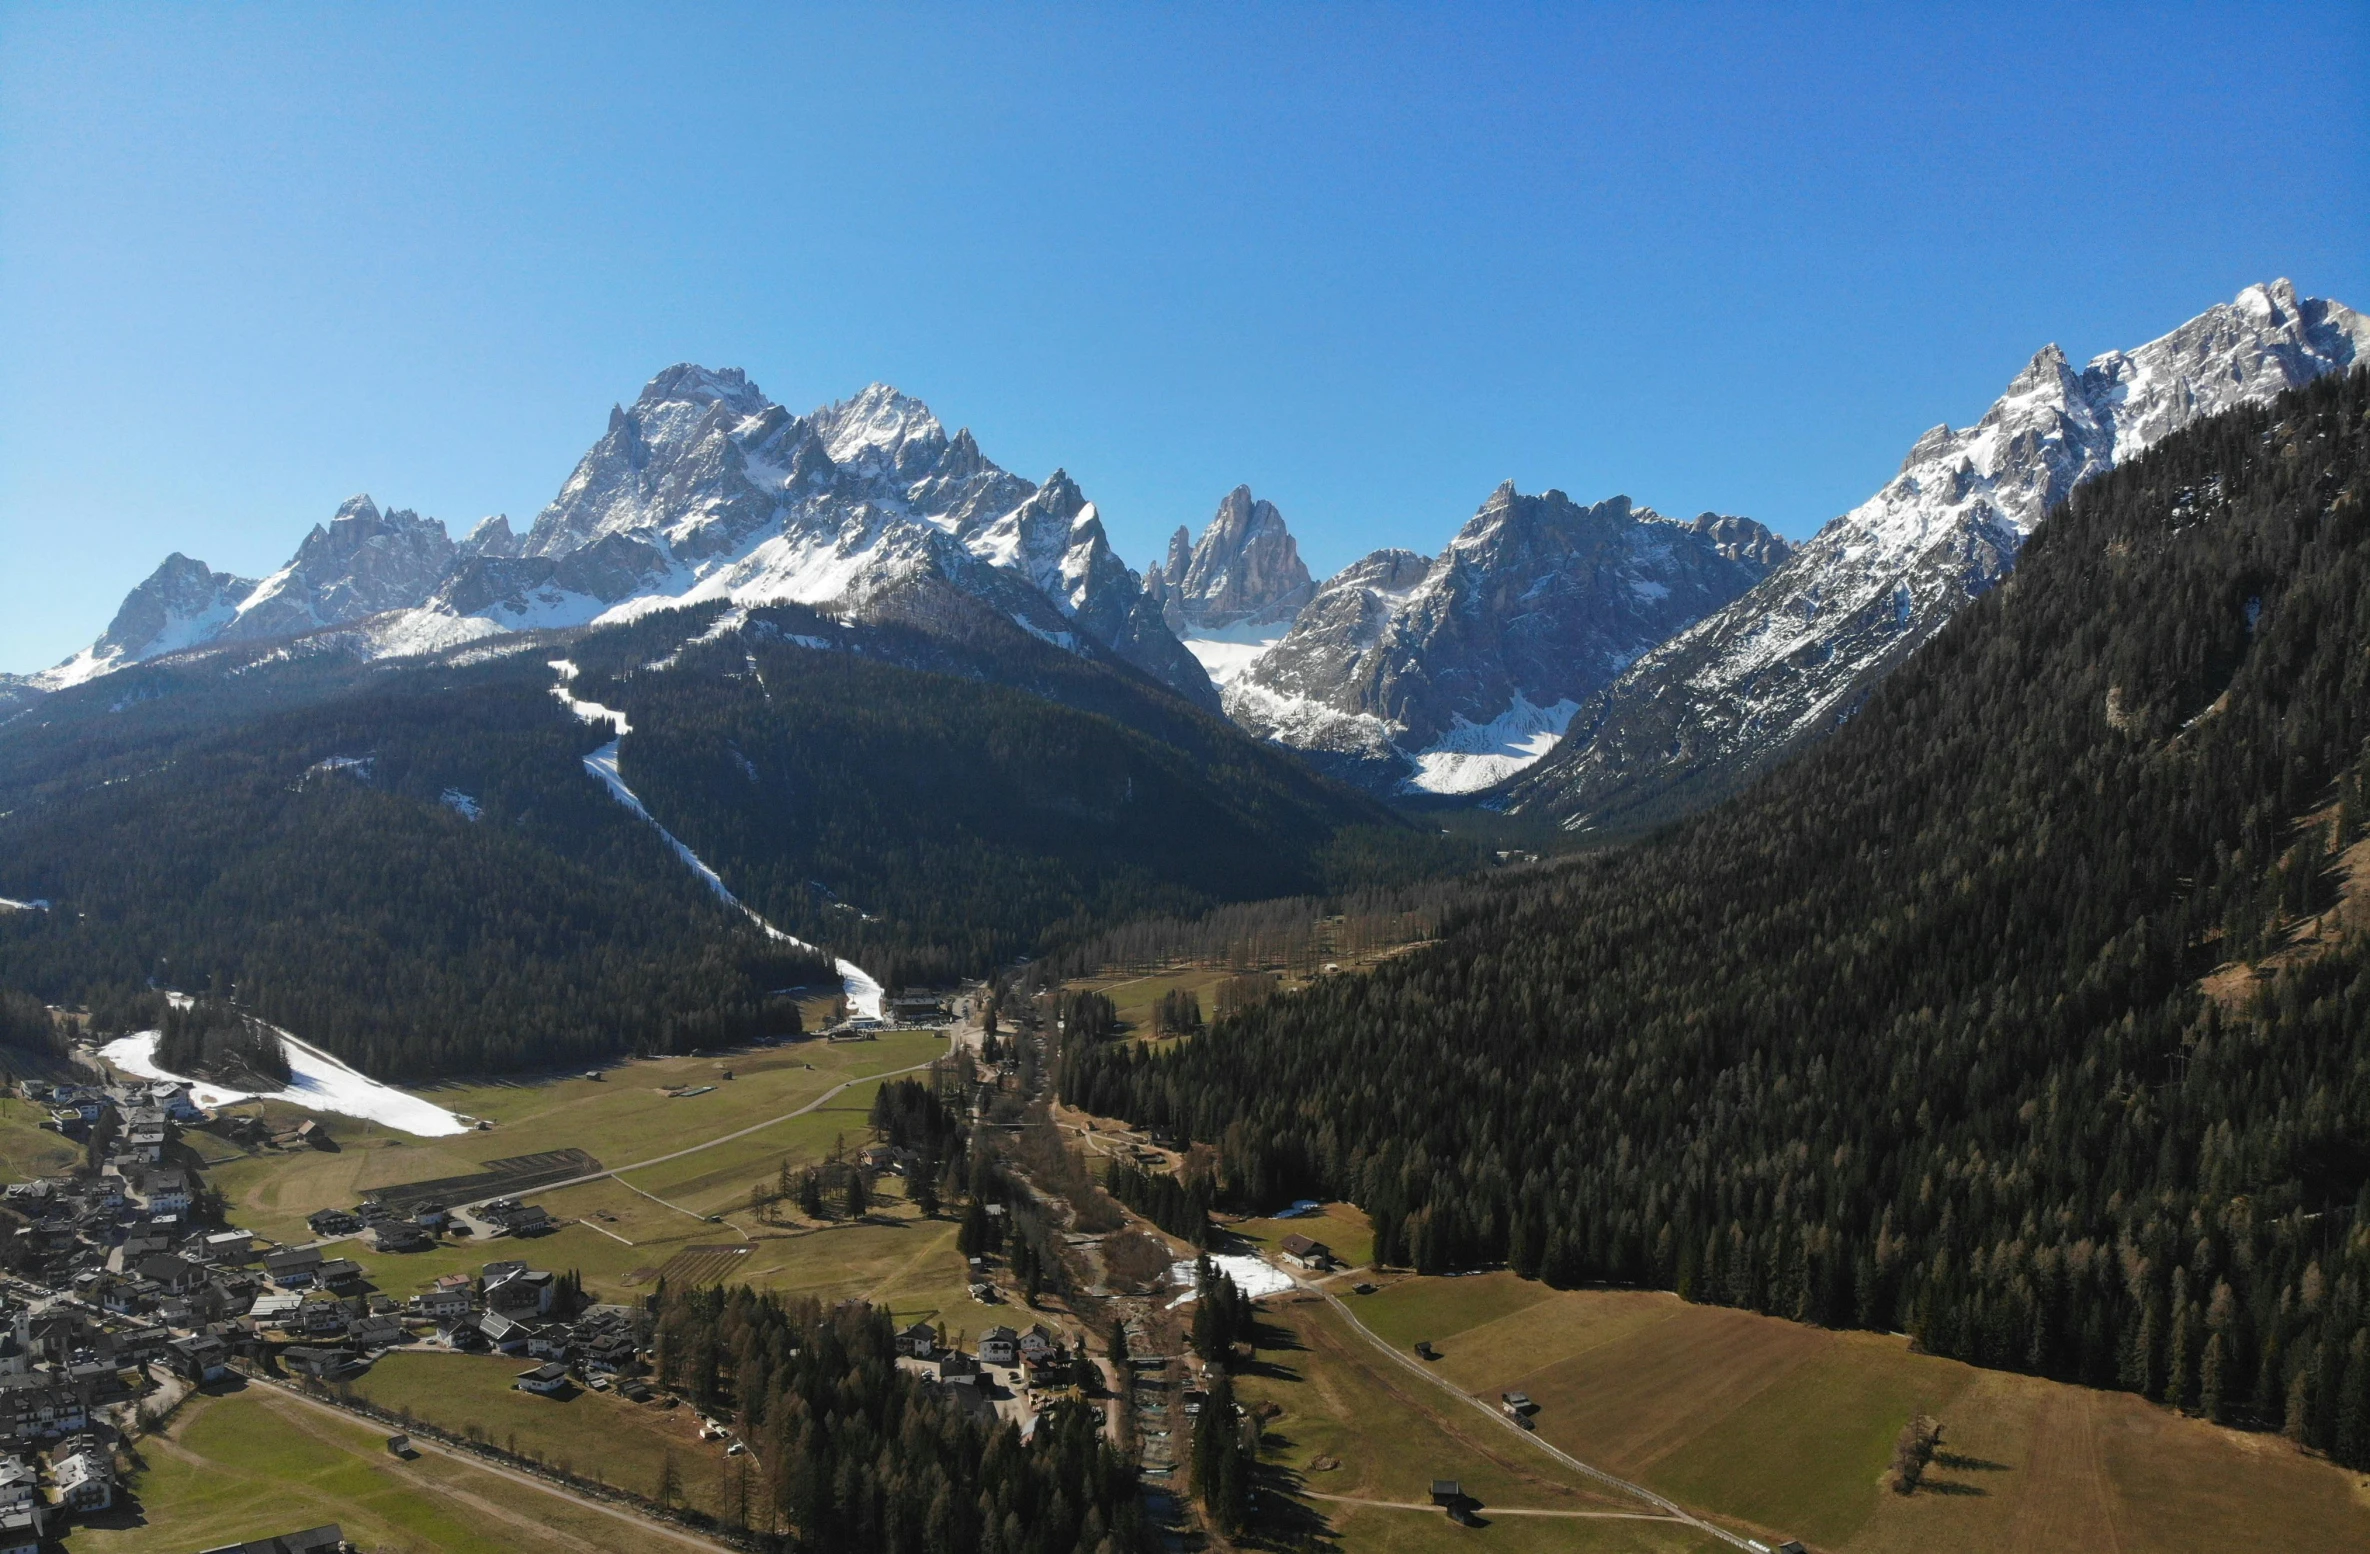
1678,1512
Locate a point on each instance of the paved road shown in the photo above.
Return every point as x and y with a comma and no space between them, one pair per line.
816,1104
645,1525
1677,1511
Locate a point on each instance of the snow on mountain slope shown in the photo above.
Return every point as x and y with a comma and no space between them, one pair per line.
862,990
1441,673
1698,715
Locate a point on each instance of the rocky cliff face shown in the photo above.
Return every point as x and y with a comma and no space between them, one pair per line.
363,563
1246,571
1452,672
702,489
182,603
1788,661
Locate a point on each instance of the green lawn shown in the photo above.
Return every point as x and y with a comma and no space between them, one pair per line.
1341,1226
619,1119
27,1149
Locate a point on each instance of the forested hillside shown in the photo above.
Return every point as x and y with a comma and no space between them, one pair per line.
934,823
1914,1034
411,866
417,874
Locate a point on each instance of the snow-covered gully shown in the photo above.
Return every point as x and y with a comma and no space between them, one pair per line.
863,991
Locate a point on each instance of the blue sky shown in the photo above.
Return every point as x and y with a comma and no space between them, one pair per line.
1371,260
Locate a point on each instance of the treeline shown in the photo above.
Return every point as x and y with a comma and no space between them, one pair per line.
857,1457
28,1029
1912,1035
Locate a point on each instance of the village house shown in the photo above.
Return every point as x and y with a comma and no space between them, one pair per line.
84,1473
999,1346
39,1405
19,1484
442,1303
201,1359
1301,1252
292,1268
918,1340
528,1292
544,1379
321,1364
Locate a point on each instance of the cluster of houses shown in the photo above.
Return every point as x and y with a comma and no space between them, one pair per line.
118,1284
1038,1355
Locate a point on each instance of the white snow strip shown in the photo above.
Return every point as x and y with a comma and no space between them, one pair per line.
1473,756
318,1082
1252,1275
1225,654
8,905
461,804
863,992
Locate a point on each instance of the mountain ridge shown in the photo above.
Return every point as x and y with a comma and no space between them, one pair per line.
1793,658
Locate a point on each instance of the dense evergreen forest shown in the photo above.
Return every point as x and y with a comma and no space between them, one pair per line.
323,861
858,1457
1916,1033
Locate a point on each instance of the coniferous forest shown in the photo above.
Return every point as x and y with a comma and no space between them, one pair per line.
2024,1014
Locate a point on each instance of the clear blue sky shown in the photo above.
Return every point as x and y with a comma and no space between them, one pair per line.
1370,260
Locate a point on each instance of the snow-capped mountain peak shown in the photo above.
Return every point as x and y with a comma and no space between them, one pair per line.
701,489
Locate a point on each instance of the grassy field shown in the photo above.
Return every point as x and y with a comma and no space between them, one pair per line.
1780,1430
620,1119
595,1434
27,1149
1392,1435
254,1463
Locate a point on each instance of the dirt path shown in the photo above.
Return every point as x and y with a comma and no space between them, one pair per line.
937,1243
643,1525
2066,1497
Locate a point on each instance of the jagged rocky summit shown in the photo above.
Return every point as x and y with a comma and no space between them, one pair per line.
1246,571
1699,715
1447,674
702,490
